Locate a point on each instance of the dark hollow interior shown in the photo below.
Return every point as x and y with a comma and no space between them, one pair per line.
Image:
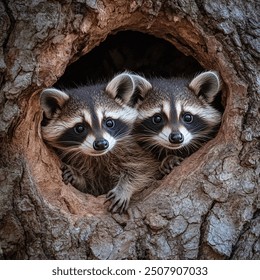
133,51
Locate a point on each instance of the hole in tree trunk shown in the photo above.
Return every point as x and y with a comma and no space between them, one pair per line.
183,218
129,50
134,51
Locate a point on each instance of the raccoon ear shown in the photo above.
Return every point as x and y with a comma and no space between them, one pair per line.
206,85
52,100
121,88
142,86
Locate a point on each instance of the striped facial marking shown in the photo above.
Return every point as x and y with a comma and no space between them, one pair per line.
191,122
166,109
163,138
206,113
178,109
87,147
59,132
145,114
84,131
125,114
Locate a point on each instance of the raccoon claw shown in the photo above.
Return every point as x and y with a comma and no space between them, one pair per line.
110,195
169,163
67,175
118,203
118,206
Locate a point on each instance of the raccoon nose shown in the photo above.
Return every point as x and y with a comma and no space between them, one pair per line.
100,144
176,138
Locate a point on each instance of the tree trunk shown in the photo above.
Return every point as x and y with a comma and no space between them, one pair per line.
207,208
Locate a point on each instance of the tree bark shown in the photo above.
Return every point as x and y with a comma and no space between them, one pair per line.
207,208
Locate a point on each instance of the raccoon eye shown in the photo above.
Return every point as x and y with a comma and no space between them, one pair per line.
79,128
157,119
110,123
187,117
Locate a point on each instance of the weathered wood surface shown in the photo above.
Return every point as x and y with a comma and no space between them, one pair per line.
208,208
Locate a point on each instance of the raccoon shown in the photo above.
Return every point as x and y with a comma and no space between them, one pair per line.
177,117
89,128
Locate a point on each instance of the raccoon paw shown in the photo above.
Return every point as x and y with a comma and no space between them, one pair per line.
119,198
169,163
69,175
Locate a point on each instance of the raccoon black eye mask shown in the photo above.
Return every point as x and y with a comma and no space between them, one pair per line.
176,117
89,129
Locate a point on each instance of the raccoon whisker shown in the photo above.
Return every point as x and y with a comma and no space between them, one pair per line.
122,135
86,145
70,155
73,153
160,152
148,137
70,143
202,137
193,146
70,151
148,129
126,139
152,146
184,150
143,139
148,145
66,154
205,131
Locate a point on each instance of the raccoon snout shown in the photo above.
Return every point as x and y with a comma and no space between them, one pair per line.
100,144
176,138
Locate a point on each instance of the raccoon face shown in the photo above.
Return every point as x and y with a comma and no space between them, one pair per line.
175,115
90,120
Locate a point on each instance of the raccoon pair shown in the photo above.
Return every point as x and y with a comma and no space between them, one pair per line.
116,138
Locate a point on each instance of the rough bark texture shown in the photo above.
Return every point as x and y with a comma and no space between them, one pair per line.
207,208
